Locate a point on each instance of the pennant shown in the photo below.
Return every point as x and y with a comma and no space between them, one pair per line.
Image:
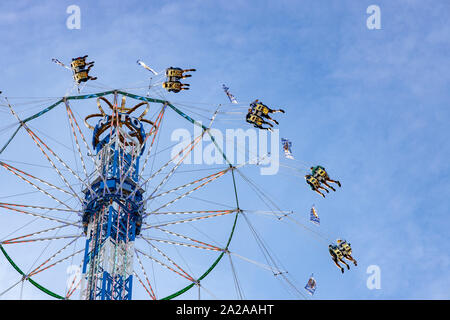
287,148
311,285
314,217
230,96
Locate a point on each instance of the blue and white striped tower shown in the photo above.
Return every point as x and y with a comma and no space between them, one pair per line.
112,214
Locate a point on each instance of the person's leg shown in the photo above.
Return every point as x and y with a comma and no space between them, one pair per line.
341,260
319,193
268,128
268,123
337,264
320,187
260,127
334,181
325,183
350,258
269,118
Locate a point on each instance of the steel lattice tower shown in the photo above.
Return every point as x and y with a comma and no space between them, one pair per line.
112,214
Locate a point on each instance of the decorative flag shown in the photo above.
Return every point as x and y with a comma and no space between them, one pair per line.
230,96
314,217
311,285
142,64
287,148
60,63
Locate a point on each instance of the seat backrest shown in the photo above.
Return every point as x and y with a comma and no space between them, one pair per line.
78,63
81,75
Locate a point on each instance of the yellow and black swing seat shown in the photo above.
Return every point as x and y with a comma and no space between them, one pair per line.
174,85
347,249
320,172
254,119
261,108
81,76
174,72
337,252
313,181
78,63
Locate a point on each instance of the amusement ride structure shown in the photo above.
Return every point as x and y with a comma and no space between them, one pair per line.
121,211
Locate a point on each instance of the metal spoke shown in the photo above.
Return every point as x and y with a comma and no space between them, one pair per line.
59,261
40,215
183,244
162,264
189,238
152,293
169,259
190,191
44,239
36,270
8,167
31,234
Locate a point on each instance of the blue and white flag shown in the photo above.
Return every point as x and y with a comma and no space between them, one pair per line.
311,285
230,96
314,217
287,148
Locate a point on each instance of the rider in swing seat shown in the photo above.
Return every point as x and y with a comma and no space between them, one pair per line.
83,76
314,184
178,73
320,174
259,106
78,64
258,122
346,250
260,113
337,256
175,86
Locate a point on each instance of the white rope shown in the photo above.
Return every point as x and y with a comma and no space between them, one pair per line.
259,264
186,220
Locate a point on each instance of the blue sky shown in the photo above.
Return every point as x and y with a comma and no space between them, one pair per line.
369,105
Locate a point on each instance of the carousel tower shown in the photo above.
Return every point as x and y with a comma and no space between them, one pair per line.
113,207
